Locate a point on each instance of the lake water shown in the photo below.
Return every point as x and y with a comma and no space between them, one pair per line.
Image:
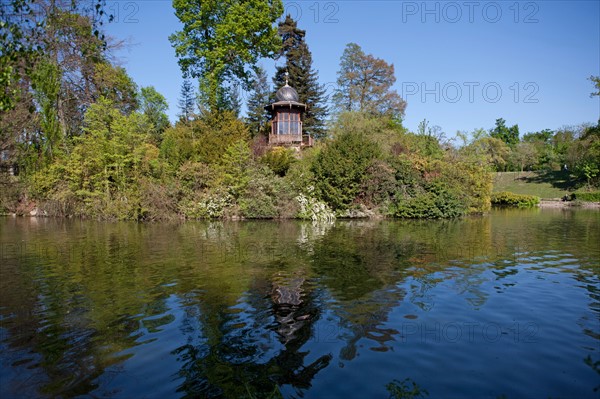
505,305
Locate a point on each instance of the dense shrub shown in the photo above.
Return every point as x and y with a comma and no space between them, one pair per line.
205,139
437,201
279,160
259,198
590,196
378,185
205,205
10,192
340,168
506,198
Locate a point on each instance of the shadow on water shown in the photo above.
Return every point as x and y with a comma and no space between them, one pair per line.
286,309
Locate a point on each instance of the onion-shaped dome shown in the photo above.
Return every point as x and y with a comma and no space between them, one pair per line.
287,93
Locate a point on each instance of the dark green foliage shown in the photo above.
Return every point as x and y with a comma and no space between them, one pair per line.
506,198
258,117
509,135
434,200
341,167
589,196
584,156
379,184
187,101
113,83
259,199
236,165
46,86
302,77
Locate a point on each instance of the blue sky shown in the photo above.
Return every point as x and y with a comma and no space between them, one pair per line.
458,64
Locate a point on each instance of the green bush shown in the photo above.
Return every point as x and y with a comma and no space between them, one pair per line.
439,201
258,200
590,196
340,168
279,160
506,198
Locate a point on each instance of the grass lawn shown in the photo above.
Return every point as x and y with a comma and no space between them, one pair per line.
554,184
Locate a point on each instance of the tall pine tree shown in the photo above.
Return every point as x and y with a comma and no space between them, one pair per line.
302,76
258,116
187,101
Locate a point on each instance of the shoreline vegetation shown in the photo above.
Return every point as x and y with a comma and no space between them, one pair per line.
79,138
543,204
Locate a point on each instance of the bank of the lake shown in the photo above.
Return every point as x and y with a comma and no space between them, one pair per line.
499,305
560,204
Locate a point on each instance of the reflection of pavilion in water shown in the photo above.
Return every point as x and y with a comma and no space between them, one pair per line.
291,310
247,358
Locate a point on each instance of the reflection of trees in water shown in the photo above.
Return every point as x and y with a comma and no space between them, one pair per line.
252,293
311,232
57,299
361,270
240,356
366,318
406,389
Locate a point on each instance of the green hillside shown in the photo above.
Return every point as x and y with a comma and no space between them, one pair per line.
554,184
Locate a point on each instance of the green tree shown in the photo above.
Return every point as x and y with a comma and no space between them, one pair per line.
365,84
187,101
584,155
279,160
30,28
487,151
154,105
220,39
341,166
257,116
114,84
562,141
235,101
236,164
509,135
46,85
544,157
524,155
204,139
302,76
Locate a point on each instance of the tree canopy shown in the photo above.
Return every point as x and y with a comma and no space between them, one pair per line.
221,40
302,76
365,84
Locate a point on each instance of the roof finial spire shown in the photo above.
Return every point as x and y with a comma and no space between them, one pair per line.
286,77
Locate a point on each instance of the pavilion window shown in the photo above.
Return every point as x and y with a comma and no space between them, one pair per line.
288,122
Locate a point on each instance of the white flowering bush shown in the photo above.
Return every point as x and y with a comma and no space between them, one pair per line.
207,207
313,209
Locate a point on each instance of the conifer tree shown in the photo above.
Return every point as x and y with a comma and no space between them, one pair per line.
302,76
257,116
186,101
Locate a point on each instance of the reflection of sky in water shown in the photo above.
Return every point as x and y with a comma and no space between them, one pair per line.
506,304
